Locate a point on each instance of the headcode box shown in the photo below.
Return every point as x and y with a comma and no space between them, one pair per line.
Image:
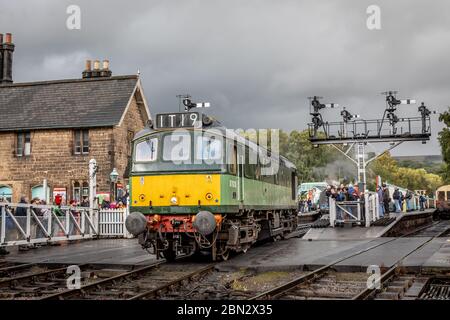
178,120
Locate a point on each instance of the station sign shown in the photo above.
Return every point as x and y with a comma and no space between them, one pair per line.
178,120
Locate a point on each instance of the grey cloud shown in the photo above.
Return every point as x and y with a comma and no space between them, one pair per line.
255,61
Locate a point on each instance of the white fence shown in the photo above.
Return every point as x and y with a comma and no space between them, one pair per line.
359,212
111,223
22,224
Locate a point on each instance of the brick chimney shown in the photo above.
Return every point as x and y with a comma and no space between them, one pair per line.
96,71
6,58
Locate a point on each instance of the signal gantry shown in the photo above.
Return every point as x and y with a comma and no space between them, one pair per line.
358,133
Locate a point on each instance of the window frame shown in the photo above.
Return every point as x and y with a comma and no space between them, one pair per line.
199,146
190,148
232,157
7,196
79,136
22,139
142,141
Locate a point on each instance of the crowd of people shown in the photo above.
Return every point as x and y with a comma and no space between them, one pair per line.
316,199
43,213
403,201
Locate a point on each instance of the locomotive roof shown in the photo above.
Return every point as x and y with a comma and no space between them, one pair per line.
229,134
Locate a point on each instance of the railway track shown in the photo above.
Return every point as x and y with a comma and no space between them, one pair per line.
437,288
327,283
200,281
34,281
437,229
142,283
8,269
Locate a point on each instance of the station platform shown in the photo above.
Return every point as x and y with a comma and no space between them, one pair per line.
403,221
311,254
317,248
101,251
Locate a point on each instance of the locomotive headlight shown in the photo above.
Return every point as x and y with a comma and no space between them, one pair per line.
174,200
209,196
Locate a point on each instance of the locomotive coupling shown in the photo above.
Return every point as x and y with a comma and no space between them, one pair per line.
205,223
136,223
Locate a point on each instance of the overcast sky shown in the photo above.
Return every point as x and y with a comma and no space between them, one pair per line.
255,61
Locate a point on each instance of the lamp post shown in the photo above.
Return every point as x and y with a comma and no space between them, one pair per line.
114,176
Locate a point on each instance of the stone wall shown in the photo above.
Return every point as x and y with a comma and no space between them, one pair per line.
52,156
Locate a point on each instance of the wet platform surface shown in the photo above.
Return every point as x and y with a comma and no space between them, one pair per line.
102,251
362,233
317,248
385,252
288,254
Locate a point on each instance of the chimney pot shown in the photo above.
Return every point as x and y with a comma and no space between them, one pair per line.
88,65
6,59
8,38
105,64
96,65
87,73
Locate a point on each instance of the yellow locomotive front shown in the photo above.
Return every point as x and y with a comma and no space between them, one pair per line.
189,193
175,185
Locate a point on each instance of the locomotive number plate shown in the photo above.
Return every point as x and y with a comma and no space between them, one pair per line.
178,120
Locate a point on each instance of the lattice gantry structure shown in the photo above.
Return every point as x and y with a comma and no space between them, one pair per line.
356,133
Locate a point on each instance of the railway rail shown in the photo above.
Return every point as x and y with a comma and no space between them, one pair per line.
145,282
34,281
326,283
188,280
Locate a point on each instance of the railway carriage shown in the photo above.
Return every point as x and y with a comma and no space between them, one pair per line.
443,201
196,186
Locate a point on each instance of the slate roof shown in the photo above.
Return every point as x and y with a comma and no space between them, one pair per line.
96,102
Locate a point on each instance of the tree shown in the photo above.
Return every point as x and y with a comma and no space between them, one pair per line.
307,158
409,178
444,140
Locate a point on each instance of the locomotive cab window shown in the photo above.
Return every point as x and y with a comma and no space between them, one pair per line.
208,148
146,150
177,147
294,185
232,158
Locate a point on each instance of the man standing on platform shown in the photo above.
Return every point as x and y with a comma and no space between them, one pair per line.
380,201
386,199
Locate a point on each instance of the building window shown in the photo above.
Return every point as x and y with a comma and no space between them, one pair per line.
39,192
80,191
23,144
5,193
76,191
85,190
81,142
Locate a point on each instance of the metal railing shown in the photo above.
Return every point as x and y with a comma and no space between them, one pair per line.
23,224
361,212
412,127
